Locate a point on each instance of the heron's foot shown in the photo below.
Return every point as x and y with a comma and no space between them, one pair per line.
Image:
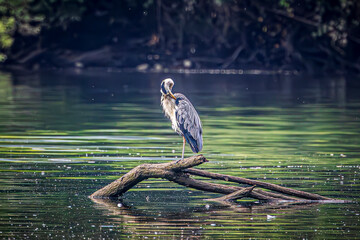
179,160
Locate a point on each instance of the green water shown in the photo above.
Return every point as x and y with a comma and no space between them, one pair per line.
64,135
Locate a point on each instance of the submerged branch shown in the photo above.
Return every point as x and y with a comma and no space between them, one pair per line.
234,196
270,186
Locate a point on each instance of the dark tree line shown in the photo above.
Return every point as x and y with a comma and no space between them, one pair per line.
306,35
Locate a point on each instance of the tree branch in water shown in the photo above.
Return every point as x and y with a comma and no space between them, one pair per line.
179,172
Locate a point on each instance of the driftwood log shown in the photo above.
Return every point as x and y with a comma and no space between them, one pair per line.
179,172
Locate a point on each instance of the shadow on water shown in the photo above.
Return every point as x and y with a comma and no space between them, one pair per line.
64,135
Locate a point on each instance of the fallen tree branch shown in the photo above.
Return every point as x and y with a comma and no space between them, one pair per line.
269,186
234,196
178,172
185,180
145,171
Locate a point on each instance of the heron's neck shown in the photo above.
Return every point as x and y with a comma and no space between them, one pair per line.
168,103
167,98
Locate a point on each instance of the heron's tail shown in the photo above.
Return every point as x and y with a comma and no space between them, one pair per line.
195,144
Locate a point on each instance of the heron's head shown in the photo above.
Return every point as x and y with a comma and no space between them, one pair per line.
166,87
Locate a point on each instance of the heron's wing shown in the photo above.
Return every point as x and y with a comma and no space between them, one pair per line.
189,123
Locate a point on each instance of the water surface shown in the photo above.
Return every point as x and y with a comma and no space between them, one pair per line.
64,135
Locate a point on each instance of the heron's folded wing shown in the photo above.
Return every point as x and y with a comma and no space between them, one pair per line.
189,123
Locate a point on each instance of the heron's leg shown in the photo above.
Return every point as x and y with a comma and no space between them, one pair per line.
183,150
182,156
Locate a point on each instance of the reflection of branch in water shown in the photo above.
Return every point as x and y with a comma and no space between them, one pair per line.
262,207
196,217
195,222
268,207
139,222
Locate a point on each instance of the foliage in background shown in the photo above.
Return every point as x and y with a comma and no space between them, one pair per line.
16,17
221,33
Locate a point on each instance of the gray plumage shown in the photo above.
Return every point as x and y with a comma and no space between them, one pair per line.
183,116
189,122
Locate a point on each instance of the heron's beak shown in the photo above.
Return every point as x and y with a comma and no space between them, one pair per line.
172,95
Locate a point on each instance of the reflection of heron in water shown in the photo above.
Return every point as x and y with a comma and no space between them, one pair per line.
184,118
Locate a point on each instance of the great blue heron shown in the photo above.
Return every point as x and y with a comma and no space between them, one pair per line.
183,116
